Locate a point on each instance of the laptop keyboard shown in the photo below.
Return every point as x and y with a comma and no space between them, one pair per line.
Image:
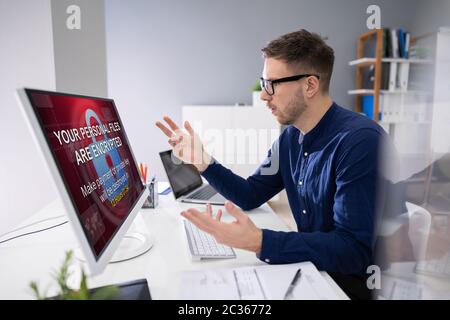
204,193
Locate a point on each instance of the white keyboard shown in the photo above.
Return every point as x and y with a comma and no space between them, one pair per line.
203,246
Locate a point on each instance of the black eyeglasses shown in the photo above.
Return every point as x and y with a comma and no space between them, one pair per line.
268,85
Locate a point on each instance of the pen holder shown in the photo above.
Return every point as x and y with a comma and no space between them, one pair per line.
152,199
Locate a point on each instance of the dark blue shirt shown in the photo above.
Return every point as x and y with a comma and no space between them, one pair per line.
330,176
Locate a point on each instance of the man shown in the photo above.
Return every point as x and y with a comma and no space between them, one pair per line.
327,160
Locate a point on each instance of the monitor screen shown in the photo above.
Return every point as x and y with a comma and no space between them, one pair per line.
183,177
91,150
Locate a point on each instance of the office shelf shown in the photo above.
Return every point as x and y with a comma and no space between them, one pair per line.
363,92
363,62
376,62
369,92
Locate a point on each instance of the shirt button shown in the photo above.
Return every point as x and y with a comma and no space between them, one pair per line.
304,211
267,260
305,154
300,183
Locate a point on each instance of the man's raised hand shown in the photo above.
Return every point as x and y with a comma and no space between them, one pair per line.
186,144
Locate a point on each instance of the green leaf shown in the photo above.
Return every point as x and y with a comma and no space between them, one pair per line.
84,291
257,86
63,274
66,293
34,287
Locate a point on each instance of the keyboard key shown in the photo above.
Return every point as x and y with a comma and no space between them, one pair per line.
204,193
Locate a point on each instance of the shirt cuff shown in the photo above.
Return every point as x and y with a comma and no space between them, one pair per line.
212,167
270,248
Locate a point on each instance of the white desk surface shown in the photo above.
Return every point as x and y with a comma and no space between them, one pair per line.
34,257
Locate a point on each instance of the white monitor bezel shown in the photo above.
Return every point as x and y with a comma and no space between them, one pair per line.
95,266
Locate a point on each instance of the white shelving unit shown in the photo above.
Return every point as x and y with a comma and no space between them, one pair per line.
370,92
440,141
403,109
368,61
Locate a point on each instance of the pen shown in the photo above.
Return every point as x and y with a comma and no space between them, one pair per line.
145,173
293,283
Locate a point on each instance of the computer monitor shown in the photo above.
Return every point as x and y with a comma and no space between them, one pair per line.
89,156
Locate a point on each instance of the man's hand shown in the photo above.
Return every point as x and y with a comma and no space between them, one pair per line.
186,146
241,233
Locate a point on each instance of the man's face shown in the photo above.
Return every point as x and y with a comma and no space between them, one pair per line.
288,102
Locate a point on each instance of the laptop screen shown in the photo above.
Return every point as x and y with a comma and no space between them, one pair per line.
183,177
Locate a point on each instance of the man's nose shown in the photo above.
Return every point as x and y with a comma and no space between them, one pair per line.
264,96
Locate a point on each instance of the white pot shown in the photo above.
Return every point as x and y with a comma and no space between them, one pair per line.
257,102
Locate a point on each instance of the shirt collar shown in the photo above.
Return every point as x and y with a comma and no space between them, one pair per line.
320,127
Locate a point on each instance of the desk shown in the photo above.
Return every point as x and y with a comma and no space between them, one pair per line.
34,257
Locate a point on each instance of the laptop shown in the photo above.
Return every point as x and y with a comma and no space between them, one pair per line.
187,184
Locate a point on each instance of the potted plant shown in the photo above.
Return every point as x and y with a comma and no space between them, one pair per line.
67,293
256,98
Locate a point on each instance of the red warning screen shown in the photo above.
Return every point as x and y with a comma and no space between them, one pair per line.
94,158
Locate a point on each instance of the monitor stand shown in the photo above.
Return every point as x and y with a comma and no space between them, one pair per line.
135,242
132,245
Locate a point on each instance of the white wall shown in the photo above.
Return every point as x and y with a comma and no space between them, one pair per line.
26,59
166,54
160,55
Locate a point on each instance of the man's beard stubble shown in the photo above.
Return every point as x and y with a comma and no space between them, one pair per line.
294,109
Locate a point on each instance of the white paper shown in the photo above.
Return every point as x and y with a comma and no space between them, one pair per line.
256,283
311,285
209,284
249,284
162,185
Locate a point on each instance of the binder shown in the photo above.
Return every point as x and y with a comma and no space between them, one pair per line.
385,67
393,76
394,43
403,74
384,109
388,52
401,43
407,43
386,44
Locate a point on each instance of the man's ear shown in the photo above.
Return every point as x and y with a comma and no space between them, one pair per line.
312,85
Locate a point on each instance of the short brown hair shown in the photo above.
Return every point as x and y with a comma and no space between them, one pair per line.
305,50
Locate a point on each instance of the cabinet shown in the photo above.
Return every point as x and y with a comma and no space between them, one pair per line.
237,136
441,94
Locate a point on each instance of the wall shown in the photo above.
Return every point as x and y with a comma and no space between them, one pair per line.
80,54
38,51
165,54
26,59
430,15
160,55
